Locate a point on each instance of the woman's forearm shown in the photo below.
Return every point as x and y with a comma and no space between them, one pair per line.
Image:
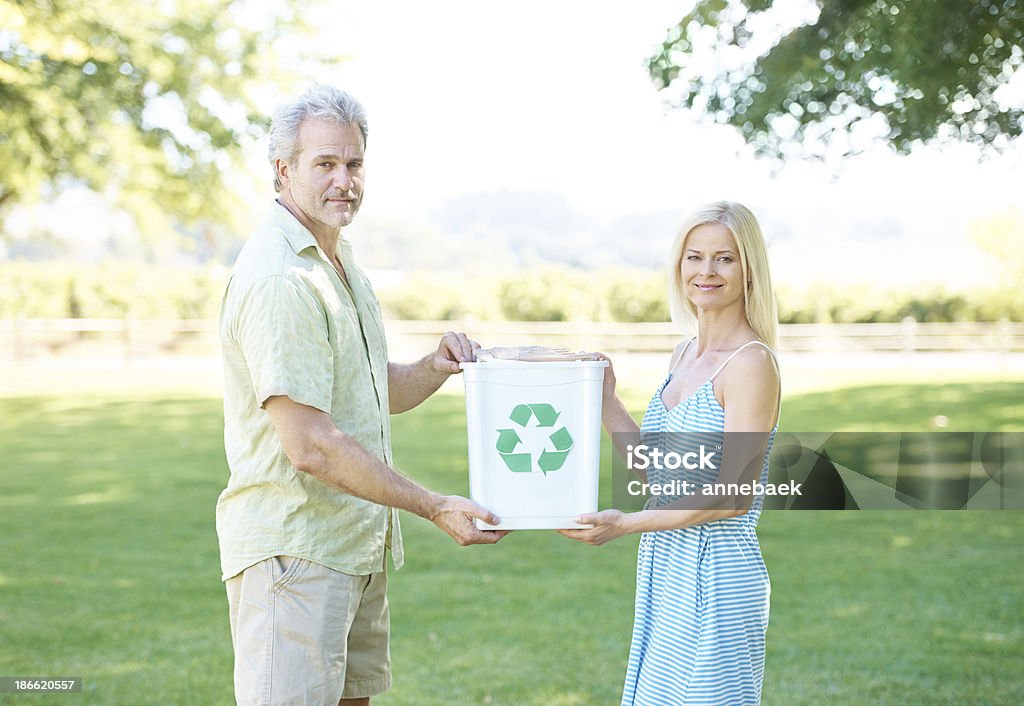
621,427
657,520
616,418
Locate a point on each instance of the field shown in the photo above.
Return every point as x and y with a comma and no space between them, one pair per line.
110,569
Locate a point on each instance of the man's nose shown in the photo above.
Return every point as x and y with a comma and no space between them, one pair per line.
342,179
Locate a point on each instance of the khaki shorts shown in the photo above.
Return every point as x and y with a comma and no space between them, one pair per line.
306,634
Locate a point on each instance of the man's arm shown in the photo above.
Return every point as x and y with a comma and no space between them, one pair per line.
316,446
409,385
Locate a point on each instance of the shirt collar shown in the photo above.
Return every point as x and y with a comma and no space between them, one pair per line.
298,236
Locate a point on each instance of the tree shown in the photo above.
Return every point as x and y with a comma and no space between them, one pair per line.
916,70
1001,235
146,102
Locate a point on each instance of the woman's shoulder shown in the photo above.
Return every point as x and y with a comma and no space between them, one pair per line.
755,364
751,388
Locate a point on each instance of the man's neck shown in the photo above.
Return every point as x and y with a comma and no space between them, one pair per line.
325,236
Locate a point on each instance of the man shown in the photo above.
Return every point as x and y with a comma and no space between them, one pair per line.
310,507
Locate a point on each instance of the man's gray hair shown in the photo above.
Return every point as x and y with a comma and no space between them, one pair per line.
322,102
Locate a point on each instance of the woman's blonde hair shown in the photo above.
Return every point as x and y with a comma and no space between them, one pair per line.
758,296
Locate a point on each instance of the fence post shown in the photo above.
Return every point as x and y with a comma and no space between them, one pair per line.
16,341
586,335
126,337
1004,337
908,327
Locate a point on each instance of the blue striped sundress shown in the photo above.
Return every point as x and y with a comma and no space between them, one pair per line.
702,592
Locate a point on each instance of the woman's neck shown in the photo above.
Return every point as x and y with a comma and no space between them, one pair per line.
722,330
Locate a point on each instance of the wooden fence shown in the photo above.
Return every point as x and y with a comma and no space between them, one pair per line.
22,338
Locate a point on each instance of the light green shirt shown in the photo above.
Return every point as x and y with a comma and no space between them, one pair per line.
290,326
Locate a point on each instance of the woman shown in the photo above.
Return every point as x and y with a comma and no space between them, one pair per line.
702,589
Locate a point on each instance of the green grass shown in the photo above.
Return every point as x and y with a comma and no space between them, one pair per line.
974,406
110,570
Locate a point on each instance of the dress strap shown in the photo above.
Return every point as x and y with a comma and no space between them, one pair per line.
735,352
681,354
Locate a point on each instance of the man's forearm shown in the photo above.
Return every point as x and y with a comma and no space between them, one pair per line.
342,462
410,384
315,445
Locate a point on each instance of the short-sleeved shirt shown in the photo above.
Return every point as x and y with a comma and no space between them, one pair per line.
290,326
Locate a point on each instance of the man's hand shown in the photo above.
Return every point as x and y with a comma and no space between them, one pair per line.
410,384
453,349
455,516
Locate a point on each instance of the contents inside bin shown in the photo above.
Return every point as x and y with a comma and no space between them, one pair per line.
537,354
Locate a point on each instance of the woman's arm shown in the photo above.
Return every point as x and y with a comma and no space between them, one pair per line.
614,416
617,420
749,392
748,389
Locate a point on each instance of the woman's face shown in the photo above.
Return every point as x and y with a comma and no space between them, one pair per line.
711,270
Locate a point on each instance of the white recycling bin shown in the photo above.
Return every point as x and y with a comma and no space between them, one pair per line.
534,440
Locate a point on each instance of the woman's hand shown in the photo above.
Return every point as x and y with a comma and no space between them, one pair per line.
608,391
607,525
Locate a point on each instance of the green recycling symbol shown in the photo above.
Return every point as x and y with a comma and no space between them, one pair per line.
509,441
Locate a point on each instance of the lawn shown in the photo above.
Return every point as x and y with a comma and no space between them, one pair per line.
110,570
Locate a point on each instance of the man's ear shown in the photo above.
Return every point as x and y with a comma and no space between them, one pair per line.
282,170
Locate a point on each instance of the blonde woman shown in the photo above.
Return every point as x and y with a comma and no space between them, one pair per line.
702,589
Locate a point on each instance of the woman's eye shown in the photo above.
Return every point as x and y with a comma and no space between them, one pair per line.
692,258
725,259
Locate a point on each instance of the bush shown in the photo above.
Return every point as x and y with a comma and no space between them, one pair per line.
549,295
117,289
831,305
638,296
111,290
439,297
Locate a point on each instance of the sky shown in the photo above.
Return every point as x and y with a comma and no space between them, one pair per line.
474,97
466,97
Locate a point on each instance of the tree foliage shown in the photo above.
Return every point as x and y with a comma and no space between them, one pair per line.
929,68
1001,235
144,101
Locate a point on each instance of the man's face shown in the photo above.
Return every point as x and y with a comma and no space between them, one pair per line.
325,179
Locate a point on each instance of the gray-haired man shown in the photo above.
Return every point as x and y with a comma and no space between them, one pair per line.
309,511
